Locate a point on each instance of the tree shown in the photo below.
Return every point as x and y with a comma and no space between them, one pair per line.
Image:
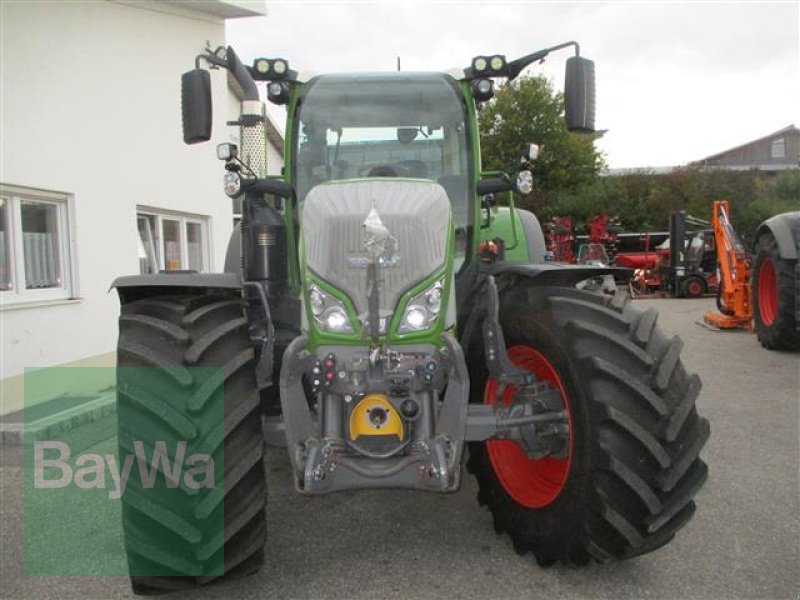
527,110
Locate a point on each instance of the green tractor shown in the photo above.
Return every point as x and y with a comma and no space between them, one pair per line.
385,320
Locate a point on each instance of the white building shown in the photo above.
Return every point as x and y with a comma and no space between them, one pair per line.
96,181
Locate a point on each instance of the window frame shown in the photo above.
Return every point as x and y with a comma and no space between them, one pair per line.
66,246
778,143
183,219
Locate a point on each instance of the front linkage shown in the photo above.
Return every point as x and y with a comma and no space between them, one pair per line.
348,387
346,381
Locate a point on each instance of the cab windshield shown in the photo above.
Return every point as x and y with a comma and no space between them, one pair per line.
384,125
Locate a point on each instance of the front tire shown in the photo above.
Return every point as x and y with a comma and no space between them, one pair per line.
187,375
774,297
628,482
694,287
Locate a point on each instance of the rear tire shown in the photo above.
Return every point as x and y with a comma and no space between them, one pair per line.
774,297
188,538
633,468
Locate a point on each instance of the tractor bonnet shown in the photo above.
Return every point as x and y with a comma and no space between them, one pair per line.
416,213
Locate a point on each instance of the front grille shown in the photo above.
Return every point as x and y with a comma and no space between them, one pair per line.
417,213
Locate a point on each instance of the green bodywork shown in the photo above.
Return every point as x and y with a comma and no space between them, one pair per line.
506,224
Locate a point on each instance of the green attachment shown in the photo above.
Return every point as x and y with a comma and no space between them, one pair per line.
506,225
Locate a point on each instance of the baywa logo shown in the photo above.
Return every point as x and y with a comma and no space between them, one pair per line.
196,472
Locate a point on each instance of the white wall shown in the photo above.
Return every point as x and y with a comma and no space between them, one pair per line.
91,106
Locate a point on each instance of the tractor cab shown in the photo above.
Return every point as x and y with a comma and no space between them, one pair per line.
390,125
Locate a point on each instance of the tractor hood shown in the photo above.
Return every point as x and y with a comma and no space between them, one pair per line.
416,214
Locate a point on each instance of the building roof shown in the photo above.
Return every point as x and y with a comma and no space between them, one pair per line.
213,10
227,9
787,129
637,171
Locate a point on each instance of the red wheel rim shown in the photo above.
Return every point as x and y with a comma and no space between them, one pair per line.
534,483
767,292
695,288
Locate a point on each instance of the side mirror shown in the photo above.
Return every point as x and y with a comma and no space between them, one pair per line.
579,95
196,106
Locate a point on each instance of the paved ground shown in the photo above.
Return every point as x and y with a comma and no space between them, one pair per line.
743,543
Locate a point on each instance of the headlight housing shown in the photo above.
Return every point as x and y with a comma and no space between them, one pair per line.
525,182
329,312
423,309
232,184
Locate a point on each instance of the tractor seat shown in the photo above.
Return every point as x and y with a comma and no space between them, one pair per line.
382,171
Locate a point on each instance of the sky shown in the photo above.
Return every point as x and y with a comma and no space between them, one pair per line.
676,81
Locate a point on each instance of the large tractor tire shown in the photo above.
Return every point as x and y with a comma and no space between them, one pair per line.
774,297
632,470
194,381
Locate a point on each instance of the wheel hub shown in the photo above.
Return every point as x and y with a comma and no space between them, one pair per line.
767,292
533,482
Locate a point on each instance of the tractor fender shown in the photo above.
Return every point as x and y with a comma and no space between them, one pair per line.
233,256
534,236
785,228
470,290
136,287
554,273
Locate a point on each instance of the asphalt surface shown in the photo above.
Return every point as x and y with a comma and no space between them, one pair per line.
744,541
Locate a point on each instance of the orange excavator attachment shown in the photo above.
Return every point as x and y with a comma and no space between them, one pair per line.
733,263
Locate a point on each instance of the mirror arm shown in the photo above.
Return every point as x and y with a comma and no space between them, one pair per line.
211,59
515,67
235,67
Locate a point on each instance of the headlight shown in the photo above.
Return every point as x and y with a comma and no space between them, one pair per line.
482,89
524,182
317,301
497,63
479,64
422,310
227,151
262,65
278,92
232,184
335,319
415,318
279,66
434,297
329,312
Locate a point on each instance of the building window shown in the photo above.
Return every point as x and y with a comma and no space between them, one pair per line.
779,148
171,241
36,246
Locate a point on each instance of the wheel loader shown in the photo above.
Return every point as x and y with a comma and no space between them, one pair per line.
387,322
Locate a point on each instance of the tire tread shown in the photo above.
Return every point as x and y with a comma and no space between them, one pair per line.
643,467
169,334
